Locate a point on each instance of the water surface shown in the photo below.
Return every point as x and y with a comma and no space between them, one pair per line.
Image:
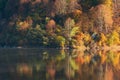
54,64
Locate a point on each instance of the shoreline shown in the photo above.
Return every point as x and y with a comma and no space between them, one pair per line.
82,48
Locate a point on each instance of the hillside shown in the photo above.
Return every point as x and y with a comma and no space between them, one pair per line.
59,23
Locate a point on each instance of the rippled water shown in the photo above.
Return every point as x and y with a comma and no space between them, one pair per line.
53,64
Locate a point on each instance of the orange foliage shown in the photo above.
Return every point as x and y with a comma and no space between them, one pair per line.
104,15
79,60
79,39
77,13
24,25
50,68
24,69
116,60
102,40
108,74
79,36
51,72
103,58
50,27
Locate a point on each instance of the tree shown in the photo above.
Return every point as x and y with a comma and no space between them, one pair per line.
87,4
50,26
78,40
72,5
24,25
103,20
103,40
69,24
60,6
113,38
61,41
36,36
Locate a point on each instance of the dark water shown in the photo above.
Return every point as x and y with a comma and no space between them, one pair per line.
52,64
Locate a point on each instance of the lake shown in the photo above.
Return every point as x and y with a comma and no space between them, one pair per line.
55,64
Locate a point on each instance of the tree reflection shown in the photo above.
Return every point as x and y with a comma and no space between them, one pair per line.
63,65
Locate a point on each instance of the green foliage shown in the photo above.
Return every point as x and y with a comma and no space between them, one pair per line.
36,36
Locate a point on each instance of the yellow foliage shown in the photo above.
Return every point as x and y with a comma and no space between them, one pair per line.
61,41
73,64
102,40
117,28
103,37
113,38
116,60
87,37
87,58
21,23
116,36
108,3
74,31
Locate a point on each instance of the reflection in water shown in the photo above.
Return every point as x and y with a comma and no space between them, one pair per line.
40,64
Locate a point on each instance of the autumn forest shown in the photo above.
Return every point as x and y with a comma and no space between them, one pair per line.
59,23
59,39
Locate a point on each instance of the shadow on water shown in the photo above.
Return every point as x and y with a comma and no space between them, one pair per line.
53,64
